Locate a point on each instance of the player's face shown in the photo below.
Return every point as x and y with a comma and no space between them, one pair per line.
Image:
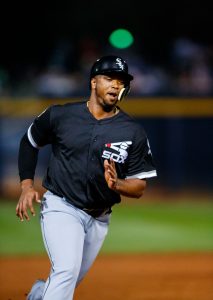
107,89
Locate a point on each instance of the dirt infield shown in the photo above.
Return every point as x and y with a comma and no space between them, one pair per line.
121,277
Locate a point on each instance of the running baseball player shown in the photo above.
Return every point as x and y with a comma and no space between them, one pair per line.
98,154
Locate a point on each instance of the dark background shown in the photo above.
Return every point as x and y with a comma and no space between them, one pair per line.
30,31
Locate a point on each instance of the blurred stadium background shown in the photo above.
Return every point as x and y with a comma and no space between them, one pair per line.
45,58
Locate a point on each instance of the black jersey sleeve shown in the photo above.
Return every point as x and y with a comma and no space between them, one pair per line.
39,134
40,131
140,162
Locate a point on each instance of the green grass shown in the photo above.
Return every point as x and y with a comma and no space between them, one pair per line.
148,227
161,227
18,237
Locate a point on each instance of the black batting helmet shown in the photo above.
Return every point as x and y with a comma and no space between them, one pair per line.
111,64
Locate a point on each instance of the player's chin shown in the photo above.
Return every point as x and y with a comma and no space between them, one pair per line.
109,105
111,99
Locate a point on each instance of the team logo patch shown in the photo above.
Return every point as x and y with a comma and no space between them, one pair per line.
119,63
120,152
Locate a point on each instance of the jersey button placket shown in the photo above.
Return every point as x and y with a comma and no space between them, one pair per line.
94,140
92,156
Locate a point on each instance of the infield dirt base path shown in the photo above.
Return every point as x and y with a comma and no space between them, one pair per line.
120,277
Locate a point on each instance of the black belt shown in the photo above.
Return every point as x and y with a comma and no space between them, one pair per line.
97,212
94,212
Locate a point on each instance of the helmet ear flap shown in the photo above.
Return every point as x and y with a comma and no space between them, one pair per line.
124,92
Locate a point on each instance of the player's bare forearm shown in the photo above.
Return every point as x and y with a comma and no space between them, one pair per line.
132,188
26,183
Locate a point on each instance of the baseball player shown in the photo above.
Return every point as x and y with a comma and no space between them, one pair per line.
98,154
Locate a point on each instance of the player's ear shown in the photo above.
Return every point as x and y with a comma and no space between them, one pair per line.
93,83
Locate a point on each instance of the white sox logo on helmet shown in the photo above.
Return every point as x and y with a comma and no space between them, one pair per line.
120,148
119,63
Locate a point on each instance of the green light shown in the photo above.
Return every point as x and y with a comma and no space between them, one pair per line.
121,38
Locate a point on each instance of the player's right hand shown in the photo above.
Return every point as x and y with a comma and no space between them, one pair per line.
28,195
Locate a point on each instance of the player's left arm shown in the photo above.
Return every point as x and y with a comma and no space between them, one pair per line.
139,167
133,187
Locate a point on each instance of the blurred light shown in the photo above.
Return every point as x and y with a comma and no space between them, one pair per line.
121,38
